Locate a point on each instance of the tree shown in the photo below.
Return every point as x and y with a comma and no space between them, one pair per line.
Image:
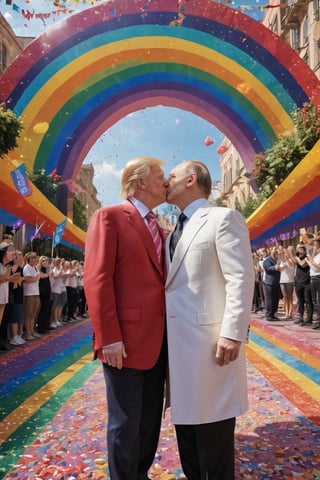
79,218
10,131
251,204
272,167
46,184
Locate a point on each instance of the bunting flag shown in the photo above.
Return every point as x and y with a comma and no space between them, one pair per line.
61,8
18,224
20,180
57,236
37,229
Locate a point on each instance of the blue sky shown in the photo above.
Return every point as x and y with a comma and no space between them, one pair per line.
167,133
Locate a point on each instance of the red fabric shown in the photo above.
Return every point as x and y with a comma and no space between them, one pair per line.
124,284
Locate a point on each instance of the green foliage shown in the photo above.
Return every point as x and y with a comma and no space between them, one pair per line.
79,217
46,184
250,205
49,186
217,202
273,167
10,131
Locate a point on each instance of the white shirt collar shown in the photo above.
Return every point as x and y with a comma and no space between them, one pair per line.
193,206
141,207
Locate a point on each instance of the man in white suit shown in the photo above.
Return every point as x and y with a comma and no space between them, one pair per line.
209,291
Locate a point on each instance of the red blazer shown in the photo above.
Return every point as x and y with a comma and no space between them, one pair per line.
124,284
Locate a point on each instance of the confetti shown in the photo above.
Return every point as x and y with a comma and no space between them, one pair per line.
65,436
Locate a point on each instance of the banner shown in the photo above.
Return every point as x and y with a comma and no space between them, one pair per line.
20,180
57,236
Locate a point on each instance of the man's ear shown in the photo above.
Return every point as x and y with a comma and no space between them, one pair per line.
141,183
191,180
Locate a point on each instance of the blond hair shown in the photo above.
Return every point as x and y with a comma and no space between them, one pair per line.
136,168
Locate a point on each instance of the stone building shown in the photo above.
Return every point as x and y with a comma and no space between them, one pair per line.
298,23
10,45
87,193
235,185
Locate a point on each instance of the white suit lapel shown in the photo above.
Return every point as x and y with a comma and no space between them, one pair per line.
190,230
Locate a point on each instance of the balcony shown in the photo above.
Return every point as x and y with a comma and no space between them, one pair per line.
293,14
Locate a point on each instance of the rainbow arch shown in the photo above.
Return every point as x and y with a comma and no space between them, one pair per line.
94,68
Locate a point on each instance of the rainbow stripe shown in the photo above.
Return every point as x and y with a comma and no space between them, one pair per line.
295,203
289,364
52,418
88,72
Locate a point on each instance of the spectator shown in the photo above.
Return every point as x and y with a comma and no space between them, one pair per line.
6,257
81,307
257,299
59,292
287,266
303,286
72,289
271,285
31,295
45,295
314,264
16,318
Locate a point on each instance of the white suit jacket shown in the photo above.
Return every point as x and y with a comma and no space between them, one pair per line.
209,292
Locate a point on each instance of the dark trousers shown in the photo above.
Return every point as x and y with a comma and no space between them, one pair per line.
315,283
43,321
271,299
304,297
72,295
257,300
135,402
82,301
207,450
7,314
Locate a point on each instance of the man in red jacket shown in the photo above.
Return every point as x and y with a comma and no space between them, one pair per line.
124,285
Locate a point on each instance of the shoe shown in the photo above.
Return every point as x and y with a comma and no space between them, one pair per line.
53,326
21,340
316,327
36,334
29,337
298,321
307,323
59,324
275,318
15,341
5,345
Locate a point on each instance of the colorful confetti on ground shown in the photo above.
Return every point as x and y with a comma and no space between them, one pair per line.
53,409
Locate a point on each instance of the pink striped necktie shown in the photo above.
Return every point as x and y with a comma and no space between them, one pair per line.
154,230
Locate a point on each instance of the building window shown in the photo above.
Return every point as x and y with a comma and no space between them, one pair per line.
317,53
316,9
274,26
305,30
3,57
296,38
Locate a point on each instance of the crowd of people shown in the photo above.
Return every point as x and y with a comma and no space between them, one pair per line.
37,294
290,274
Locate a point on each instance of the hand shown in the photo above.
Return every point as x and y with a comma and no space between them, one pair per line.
227,351
113,354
